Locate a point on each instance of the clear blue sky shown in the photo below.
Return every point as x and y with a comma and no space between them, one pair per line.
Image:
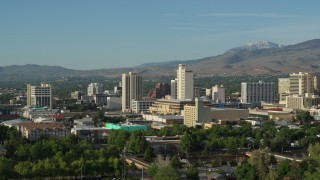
97,34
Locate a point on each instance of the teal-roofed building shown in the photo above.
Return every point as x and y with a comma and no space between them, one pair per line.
127,127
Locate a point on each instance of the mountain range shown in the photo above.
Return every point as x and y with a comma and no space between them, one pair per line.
255,58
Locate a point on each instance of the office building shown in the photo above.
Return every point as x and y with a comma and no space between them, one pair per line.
196,114
39,96
184,83
141,106
255,92
304,84
160,91
95,88
218,94
131,90
174,93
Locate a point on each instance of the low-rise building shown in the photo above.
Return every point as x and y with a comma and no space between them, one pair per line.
126,126
164,145
34,131
164,119
141,106
169,106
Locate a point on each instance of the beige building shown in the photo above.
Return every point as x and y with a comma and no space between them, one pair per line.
303,83
283,88
182,86
34,131
39,96
302,102
272,115
196,114
169,106
131,90
227,114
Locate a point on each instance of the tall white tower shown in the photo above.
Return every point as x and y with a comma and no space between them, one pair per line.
131,90
184,83
94,88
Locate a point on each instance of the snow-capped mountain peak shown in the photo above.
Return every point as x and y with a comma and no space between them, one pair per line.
257,45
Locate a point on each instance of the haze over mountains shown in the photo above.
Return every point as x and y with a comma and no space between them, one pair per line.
259,57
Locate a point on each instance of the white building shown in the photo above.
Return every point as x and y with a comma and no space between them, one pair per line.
141,106
219,94
182,86
39,96
303,83
255,92
94,88
131,90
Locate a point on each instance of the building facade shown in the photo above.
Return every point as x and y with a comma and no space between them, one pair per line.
141,106
34,131
196,114
160,91
218,94
39,96
94,88
184,83
255,92
131,90
303,83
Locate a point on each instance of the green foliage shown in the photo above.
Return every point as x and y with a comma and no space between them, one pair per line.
148,153
261,159
152,170
246,171
305,117
166,173
6,168
192,173
175,162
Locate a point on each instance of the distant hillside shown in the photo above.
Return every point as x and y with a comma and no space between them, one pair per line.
260,57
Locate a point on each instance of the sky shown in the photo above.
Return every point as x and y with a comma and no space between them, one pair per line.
99,34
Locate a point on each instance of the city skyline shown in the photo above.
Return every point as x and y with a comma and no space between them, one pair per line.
112,34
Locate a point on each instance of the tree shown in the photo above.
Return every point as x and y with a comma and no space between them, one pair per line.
192,173
6,168
152,170
175,162
148,153
187,142
166,173
261,159
246,171
305,117
283,168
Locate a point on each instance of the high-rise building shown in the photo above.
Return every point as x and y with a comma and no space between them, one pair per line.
174,94
131,90
95,88
255,92
219,94
39,96
160,91
182,86
303,83
283,88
